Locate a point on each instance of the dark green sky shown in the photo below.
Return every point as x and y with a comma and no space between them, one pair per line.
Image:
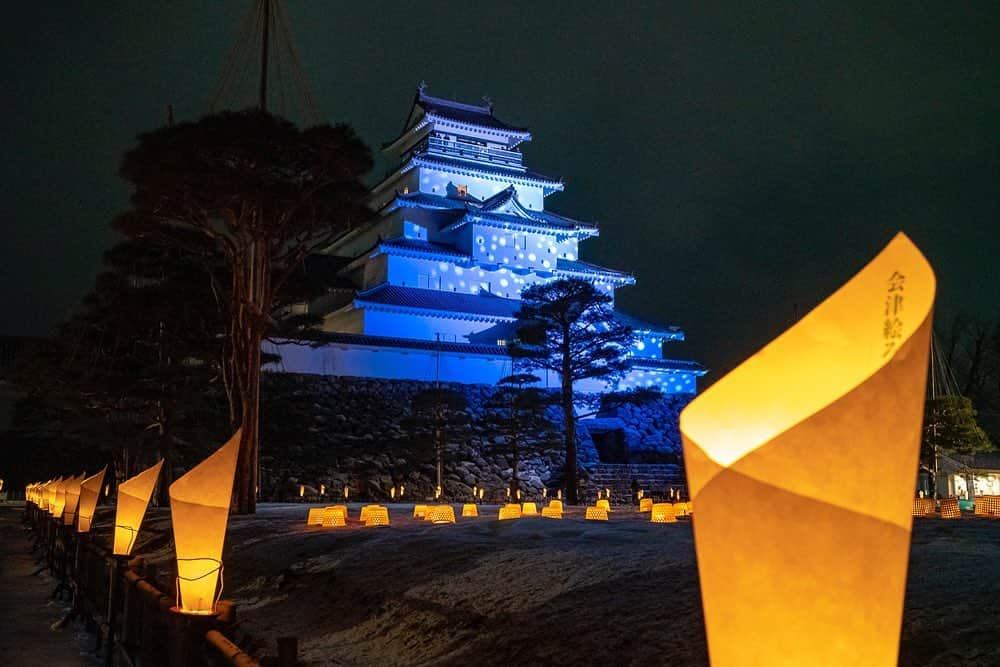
742,161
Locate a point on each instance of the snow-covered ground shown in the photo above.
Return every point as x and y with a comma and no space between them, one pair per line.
543,591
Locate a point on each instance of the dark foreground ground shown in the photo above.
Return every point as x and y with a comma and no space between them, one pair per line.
540,591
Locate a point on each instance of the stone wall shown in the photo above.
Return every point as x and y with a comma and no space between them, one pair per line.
361,432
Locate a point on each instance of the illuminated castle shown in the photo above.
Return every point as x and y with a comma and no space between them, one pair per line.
428,290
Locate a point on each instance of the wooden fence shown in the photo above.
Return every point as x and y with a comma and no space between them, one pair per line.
132,620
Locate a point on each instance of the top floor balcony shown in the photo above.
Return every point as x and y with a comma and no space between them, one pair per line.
469,151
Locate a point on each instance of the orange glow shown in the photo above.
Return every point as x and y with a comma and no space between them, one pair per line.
529,509
133,498
645,504
556,505
662,513
377,515
604,504
90,491
419,511
510,511
72,499
820,571
332,517
441,514
923,506
58,498
470,510
199,512
950,509
987,505
596,514
551,512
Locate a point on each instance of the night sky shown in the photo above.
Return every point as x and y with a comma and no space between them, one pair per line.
742,162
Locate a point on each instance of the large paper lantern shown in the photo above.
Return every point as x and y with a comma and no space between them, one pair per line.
199,512
556,505
90,492
333,517
419,511
470,510
645,504
368,510
441,514
58,498
604,505
551,512
133,498
529,509
72,499
597,513
662,513
803,461
510,511
379,516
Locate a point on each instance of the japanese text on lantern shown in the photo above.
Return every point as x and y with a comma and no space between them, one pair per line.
892,329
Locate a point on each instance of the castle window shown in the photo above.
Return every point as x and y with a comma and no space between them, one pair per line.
463,190
501,342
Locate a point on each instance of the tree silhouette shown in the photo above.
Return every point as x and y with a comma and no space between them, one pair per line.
261,194
569,328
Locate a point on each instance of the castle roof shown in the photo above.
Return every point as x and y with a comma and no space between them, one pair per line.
486,171
410,343
419,247
461,112
586,268
637,324
450,304
675,365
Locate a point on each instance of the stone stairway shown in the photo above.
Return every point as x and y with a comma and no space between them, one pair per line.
654,479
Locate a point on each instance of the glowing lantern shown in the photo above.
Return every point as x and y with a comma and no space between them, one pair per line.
510,511
302,490
481,493
604,505
107,490
607,493
322,489
551,512
545,492
419,511
508,494
950,509
199,512
133,498
640,494
392,493
529,509
315,516
72,499
331,517
441,514
437,492
559,494
596,514
920,507
680,509
842,390
401,489
987,505
475,491
347,492
556,505
90,491
645,504
470,510
662,513
376,516
519,494
59,499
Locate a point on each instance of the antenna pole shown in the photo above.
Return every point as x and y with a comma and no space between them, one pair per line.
266,8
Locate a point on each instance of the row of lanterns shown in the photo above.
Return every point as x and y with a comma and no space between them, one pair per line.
199,511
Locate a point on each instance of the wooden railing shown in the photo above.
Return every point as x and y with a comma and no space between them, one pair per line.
133,621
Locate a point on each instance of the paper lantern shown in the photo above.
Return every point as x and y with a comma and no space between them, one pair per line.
441,514
680,509
545,492
379,516
302,490
596,514
315,516
59,498
551,512
72,499
923,506
347,492
334,516
367,510
950,509
322,489
199,512
392,493
481,491
604,505
510,511
90,492
470,510
645,504
529,509
133,498
419,511
802,461
556,505
559,494
987,505
662,513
